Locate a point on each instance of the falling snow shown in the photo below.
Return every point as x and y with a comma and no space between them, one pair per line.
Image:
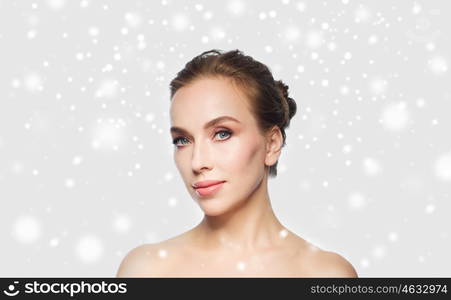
442,167
395,116
356,201
371,166
122,223
162,253
27,229
89,249
241,266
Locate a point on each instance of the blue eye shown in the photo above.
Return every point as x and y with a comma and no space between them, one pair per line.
181,138
226,131
176,140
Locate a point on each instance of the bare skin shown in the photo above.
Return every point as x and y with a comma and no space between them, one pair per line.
177,257
240,236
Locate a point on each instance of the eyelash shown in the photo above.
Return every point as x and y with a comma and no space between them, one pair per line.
227,131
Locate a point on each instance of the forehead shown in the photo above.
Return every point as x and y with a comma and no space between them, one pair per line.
207,98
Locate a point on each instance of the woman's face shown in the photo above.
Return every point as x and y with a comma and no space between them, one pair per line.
229,151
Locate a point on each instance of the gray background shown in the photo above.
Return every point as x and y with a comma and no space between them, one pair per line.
86,166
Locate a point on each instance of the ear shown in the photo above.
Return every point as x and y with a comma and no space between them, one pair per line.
274,141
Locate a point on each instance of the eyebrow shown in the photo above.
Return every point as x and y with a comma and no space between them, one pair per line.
207,125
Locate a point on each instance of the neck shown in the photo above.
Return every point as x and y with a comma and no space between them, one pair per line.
250,227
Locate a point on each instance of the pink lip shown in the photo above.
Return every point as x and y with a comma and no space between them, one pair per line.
210,190
206,183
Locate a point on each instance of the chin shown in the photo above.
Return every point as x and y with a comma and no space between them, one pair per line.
212,211
214,207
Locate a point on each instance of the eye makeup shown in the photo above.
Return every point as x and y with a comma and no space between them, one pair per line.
223,130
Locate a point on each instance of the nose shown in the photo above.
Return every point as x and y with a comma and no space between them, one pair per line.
201,157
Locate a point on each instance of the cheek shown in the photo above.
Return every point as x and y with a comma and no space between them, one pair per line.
243,154
178,160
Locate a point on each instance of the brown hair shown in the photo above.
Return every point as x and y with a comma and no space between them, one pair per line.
269,101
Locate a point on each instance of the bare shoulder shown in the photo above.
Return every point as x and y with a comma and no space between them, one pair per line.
332,264
316,262
142,261
153,259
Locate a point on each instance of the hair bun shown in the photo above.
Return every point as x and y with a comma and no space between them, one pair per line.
292,107
283,87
